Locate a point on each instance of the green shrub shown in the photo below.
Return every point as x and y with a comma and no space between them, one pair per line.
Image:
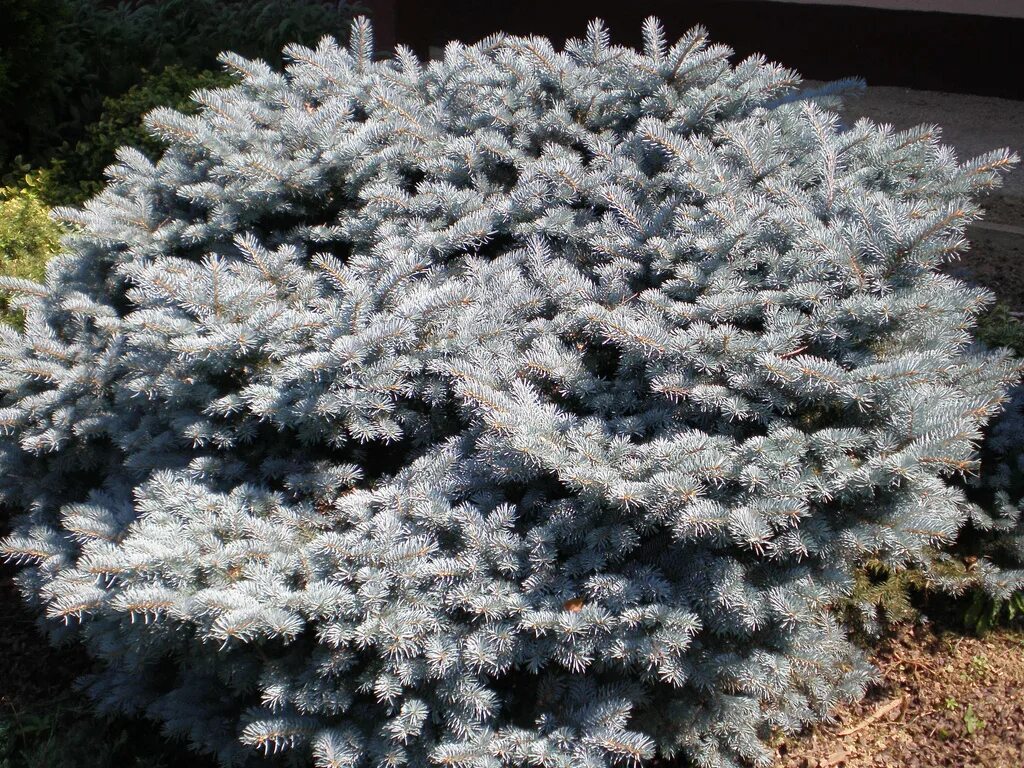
30,74
67,733
28,237
61,58
883,595
79,173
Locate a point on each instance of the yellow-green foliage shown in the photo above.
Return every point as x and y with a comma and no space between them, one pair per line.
28,237
884,596
881,595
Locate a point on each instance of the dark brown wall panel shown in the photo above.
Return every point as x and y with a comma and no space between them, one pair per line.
935,51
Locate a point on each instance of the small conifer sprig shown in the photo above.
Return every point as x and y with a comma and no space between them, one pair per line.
526,407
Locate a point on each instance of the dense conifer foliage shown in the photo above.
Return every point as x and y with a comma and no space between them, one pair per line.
527,407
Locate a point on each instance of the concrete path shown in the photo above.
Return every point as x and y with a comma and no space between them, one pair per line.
972,125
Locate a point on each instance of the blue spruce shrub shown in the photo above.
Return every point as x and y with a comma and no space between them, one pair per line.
997,527
523,408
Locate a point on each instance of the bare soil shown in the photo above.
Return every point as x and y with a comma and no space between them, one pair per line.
995,260
946,700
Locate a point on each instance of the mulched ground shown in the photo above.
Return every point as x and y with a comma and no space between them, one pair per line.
946,700
996,261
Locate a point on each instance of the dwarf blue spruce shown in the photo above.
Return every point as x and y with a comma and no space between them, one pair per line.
526,407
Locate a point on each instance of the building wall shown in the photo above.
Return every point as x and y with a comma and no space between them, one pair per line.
1004,8
823,40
